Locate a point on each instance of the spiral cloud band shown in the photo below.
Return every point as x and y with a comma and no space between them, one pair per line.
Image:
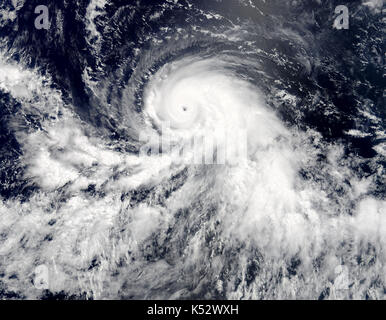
191,150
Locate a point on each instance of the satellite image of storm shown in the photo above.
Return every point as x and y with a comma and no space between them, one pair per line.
192,150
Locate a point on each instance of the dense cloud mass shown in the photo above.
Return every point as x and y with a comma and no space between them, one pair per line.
192,149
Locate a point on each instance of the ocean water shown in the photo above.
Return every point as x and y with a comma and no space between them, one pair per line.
192,149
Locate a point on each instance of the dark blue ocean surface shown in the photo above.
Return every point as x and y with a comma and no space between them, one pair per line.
87,214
